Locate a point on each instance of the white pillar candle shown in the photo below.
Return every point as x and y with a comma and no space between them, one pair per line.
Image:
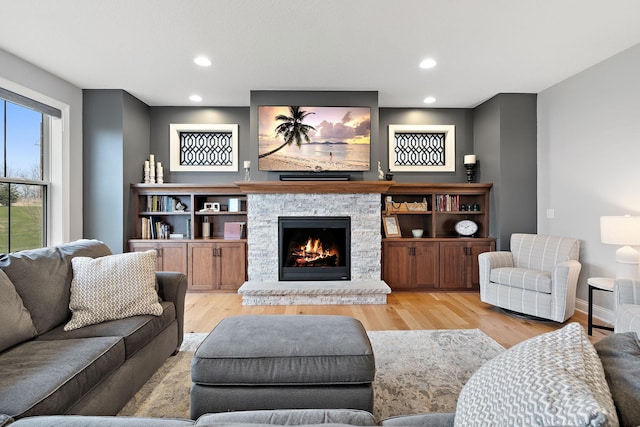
247,164
146,165
469,159
152,159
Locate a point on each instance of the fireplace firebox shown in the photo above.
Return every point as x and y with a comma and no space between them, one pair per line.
314,248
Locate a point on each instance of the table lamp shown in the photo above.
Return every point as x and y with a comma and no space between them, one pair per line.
625,231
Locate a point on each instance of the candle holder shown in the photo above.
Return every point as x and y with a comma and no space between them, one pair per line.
471,171
247,174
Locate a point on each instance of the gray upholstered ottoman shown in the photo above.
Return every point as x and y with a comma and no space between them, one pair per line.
283,362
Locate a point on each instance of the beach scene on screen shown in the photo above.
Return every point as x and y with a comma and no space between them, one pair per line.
339,140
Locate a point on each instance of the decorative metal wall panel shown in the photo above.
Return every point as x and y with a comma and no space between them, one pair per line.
422,148
204,148
419,149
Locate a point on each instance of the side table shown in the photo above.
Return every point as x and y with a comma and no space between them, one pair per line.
604,284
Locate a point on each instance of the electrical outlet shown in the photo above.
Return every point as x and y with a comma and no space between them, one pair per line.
551,213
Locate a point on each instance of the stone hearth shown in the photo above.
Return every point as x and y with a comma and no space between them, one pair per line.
269,200
314,293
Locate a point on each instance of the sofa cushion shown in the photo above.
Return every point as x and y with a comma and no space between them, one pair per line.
46,377
113,287
42,277
99,421
532,280
15,321
620,356
137,331
552,379
433,419
290,417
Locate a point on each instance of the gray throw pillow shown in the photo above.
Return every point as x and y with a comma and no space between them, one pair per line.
113,287
620,356
16,325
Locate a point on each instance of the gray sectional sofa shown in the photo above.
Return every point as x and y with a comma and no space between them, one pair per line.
92,370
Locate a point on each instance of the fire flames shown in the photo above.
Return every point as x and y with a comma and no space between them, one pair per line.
312,253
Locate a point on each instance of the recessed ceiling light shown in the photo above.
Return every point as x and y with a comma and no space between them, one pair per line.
428,63
202,61
195,98
429,100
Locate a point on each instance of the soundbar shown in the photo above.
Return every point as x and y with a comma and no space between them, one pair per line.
318,177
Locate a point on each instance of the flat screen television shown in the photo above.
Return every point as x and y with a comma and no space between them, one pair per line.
314,139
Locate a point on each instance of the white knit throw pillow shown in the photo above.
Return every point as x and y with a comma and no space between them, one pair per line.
113,287
554,379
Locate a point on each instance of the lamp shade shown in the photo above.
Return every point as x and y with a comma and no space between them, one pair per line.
620,230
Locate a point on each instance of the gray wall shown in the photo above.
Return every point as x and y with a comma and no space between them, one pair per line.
162,117
588,146
116,141
461,118
135,125
505,142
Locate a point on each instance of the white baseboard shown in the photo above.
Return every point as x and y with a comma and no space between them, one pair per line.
602,314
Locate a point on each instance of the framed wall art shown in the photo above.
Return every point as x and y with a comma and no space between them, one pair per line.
203,147
422,148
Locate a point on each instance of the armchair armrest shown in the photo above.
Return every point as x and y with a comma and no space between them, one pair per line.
626,291
495,259
488,261
172,286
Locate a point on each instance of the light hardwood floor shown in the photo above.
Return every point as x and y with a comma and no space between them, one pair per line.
404,310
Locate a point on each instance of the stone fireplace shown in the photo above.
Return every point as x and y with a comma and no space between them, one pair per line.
358,201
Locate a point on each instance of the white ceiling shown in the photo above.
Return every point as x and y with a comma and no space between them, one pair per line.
483,47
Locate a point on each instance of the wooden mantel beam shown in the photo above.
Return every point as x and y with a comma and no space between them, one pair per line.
311,187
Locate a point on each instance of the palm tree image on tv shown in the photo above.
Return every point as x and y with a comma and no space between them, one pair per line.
314,139
291,129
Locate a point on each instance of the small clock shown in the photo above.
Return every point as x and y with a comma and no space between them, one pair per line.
466,228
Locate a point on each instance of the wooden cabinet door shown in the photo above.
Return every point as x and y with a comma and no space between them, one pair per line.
232,263
426,256
203,267
173,257
169,256
397,265
143,247
453,265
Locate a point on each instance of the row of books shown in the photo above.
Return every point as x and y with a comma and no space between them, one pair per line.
153,228
157,203
447,202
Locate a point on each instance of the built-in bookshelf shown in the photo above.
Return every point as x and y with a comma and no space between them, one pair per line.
199,230
188,211
440,259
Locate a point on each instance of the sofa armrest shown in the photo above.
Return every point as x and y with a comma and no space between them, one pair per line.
172,286
626,291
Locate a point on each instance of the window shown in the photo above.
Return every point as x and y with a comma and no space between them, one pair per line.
24,180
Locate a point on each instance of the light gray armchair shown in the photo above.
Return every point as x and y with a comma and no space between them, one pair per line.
626,294
538,277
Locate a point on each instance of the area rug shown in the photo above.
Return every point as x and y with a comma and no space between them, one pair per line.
416,372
